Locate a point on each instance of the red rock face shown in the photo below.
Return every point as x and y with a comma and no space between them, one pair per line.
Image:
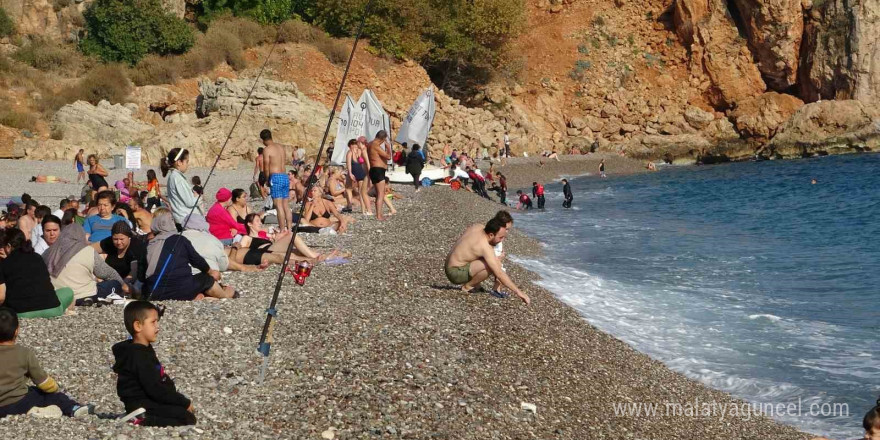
841,52
759,118
717,48
774,29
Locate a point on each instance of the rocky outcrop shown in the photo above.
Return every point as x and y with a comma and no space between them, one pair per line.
759,118
774,29
840,57
718,51
827,127
81,123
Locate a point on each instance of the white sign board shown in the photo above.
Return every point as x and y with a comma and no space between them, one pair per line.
132,158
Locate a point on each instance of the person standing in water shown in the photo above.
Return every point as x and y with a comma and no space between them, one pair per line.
566,192
538,193
602,168
274,158
79,163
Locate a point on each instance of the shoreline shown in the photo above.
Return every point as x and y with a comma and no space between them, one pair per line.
384,346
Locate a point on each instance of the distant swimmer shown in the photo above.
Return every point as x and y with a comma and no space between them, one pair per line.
566,192
813,182
472,258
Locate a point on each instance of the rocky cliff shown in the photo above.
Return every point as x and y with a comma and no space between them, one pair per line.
674,80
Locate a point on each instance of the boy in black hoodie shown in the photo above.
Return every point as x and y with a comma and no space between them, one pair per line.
142,382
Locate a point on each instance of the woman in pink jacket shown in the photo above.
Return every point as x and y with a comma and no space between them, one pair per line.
221,224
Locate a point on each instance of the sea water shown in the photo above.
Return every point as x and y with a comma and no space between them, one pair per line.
746,277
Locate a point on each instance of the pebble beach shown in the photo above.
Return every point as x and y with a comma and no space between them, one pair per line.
382,346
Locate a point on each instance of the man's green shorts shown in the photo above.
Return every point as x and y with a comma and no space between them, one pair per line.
459,274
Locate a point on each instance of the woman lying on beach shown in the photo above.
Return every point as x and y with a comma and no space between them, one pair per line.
322,213
48,179
258,249
177,281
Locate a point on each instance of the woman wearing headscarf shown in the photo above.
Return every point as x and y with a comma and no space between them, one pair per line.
221,223
73,263
415,161
126,254
25,286
169,256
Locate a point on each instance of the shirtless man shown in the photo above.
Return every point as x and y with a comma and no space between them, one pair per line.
379,151
274,158
473,259
259,176
142,217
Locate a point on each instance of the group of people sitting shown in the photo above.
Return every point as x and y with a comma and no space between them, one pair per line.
52,261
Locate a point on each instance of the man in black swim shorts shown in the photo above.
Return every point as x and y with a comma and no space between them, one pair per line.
379,151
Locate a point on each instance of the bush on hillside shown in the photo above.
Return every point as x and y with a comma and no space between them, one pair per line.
155,69
20,120
335,50
128,30
7,27
246,29
263,11
105,82
454,37
295,31
49,56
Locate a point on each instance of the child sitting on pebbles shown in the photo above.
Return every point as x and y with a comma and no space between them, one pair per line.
142,384
18,364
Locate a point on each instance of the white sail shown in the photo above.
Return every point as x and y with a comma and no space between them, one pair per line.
374,114
351,123
418,121
365,119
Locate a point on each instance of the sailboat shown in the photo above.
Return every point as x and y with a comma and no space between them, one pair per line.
414,130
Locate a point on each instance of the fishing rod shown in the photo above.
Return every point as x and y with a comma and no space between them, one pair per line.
272,312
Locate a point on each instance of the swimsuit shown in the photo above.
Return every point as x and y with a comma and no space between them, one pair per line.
98,181
280,188
358,171
254,255
459,274
315,216
79,167
377,175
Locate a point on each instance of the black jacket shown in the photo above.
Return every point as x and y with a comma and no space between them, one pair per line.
566,190
142,381
414,163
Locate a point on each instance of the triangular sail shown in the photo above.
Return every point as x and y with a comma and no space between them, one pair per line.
350,127
417,124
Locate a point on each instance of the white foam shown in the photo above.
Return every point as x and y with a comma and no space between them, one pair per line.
767,316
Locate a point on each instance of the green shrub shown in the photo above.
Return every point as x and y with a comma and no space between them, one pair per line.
155,69
263,11
49,56
20,120
7,27
128,30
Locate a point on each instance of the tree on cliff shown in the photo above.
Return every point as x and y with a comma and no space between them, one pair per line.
263,11
128,30
7,27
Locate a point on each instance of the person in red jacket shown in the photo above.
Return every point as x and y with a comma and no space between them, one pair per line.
221,224
538,193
